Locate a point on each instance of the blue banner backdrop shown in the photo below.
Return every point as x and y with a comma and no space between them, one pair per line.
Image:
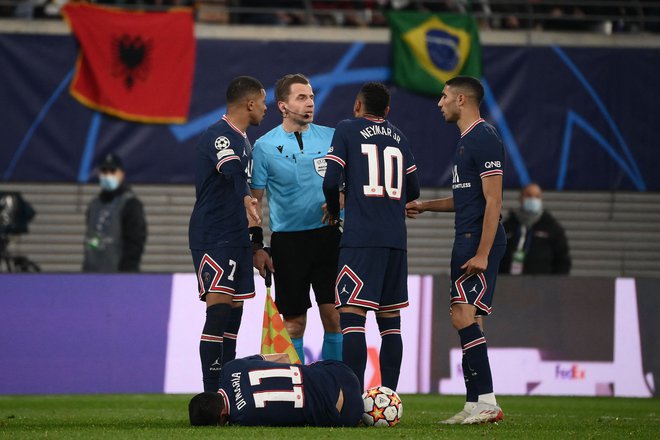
571,118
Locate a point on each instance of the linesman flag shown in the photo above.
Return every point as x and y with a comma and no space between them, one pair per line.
429,49
274,336
134,65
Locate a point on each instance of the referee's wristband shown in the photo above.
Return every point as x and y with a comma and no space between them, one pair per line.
257,238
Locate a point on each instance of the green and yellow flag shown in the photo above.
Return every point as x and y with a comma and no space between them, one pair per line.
274,336
429,49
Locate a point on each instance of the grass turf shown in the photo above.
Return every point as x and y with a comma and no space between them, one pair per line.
165,416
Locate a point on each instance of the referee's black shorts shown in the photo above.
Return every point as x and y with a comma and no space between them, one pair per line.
302,259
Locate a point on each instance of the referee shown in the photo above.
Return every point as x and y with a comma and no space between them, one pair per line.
289,164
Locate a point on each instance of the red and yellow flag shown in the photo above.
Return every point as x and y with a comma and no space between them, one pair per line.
134,65
274,337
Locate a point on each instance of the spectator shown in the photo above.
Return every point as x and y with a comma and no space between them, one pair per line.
566,17
536,242
516,16
282,13
116,228
350,14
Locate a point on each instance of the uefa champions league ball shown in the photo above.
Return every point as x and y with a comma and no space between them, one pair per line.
382,407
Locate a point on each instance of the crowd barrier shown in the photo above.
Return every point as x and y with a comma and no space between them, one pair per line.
139,333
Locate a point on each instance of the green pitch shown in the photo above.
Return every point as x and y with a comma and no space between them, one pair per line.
165,417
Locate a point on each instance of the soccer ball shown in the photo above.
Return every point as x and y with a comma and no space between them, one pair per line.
382,407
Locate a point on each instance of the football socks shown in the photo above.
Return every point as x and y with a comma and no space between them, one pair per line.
476,355
354,351
210,345
230,335
471,392
391,350
332,346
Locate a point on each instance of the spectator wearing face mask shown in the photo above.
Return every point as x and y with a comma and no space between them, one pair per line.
536,242
116,228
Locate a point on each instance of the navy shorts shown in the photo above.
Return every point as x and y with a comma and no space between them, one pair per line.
225,270
372,278
303,259
475,289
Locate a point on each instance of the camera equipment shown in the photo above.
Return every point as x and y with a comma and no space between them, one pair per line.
15,214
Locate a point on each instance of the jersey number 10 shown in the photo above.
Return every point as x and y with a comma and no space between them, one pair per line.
392,172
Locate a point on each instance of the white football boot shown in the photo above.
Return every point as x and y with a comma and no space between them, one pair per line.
484,413
458,418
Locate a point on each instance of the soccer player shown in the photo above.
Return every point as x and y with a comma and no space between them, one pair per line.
289,165
480,240
267,390
218,229
379,172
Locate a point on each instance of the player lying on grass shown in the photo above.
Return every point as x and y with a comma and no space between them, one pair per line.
267,390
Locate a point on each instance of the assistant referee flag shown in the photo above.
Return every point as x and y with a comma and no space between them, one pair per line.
274,336
429,49
134,65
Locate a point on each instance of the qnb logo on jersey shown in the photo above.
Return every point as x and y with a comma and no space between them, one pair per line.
492,164
456,181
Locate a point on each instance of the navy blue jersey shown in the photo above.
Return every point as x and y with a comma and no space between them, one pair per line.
479,154
379,172
223,162
266,393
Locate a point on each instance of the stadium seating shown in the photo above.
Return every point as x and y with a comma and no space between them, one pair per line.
610,234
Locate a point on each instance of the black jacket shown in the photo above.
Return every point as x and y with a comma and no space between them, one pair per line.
133,229
546,246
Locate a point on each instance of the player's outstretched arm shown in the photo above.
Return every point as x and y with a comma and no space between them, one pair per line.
417,207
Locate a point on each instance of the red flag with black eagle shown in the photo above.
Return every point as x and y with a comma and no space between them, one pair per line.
134,65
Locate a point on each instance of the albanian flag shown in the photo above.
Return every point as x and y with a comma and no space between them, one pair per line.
134,65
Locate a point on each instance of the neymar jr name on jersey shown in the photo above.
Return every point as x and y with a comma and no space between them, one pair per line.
378,130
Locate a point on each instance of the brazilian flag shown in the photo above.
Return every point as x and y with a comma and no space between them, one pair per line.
429,49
